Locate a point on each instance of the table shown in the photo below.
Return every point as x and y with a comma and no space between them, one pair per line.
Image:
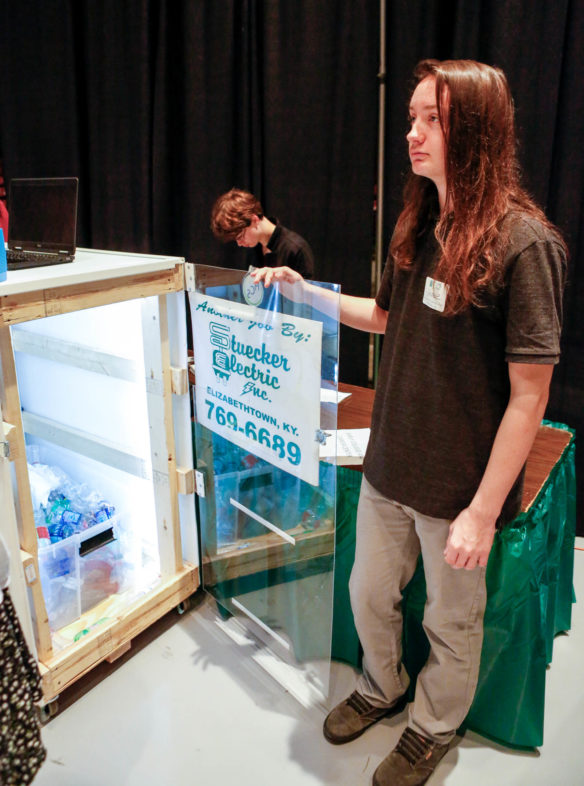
529,586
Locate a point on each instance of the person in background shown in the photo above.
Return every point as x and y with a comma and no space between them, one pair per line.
470,305
237,215
21,748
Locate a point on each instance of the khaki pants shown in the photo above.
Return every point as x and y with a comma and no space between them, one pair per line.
389,539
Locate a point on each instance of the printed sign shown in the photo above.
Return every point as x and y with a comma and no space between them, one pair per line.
258,381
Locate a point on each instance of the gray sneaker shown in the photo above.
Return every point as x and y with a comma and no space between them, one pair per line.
349,719
411,762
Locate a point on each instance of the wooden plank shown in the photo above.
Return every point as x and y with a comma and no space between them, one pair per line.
90,265
43,640
71,663
72,354
179,381
182,425
185,480
30,567
175,557
18,577
86,444
25,306
207,276
21,307
22,503
162,448
116,654
11,437
11,412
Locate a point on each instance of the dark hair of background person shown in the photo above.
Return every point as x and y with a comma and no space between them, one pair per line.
232,213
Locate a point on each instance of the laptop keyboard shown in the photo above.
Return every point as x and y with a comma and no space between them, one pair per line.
16,260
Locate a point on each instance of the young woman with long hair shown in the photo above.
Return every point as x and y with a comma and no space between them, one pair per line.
470,305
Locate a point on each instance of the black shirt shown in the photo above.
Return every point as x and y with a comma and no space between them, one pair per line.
444,381
286,247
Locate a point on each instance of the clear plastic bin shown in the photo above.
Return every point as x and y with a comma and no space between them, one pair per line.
82,570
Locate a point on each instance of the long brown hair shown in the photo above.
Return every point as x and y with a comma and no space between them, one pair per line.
476,114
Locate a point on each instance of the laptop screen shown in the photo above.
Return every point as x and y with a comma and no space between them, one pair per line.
43,214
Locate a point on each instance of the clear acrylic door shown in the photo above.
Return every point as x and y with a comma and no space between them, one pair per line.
265,402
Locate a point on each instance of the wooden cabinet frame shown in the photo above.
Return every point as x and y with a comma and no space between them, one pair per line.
96,278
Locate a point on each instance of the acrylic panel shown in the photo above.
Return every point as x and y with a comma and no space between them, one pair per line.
266,369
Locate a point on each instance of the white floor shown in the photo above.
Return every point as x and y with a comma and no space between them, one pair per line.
188,708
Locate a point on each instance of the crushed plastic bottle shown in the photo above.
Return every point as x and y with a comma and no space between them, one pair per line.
68,507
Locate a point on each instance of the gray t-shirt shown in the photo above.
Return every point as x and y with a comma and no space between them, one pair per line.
444,382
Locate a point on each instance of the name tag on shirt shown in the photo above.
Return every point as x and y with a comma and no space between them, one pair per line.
435,294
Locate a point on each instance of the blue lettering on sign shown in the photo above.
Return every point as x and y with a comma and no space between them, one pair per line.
262,355
229,356
288,329
250,387
249,410
282,448
210,310
219,334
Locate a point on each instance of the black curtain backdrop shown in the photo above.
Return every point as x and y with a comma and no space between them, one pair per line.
158,106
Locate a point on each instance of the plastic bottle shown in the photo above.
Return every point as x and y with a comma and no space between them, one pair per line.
41,528
106,508
54,514
43,536
77,495
60,531
74,518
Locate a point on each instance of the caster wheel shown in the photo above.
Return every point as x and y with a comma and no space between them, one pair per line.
184,605
48,711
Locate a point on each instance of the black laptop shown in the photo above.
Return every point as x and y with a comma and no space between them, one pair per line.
42,227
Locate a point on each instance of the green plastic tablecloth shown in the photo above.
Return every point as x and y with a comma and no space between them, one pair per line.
530,595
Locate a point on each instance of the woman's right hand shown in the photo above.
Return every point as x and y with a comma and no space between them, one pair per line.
290,282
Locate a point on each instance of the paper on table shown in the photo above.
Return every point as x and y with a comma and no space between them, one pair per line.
351,445
331,396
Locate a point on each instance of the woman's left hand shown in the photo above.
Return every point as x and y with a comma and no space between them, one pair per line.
470,540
